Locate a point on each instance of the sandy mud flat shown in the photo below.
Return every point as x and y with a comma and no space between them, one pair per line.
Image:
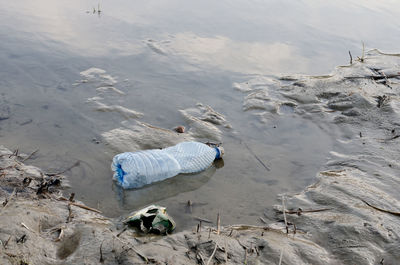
350,215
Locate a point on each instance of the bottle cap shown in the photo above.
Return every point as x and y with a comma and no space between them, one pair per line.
220,152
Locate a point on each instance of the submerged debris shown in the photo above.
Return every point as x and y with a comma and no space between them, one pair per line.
381,100
180,129
46,185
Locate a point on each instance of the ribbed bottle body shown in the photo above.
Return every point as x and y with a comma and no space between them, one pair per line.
192,156
136,169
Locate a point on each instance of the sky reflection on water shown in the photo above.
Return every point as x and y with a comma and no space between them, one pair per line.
241,36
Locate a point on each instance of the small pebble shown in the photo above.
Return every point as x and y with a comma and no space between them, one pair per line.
180,129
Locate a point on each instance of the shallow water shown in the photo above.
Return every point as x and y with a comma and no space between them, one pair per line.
160,57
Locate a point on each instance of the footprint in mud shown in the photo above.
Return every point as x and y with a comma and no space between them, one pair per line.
69,245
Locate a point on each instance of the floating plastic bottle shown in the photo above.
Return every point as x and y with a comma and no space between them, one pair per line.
136,169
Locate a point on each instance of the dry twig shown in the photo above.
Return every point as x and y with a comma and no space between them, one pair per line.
77,163
262,220
226,252
9,198
85,207
143,257
101,252
301,211
69,218
79,205
15,153
5,244
123,230
284,214
280,258
29,156
351,58
212,254
218,223
256,157
202,219
382,210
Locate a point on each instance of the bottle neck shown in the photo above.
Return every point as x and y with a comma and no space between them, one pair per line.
218,155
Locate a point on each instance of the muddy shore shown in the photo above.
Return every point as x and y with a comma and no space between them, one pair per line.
350,215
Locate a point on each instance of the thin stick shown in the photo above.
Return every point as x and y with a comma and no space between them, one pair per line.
62,172
69,218
9,198
363,52
5,244
248,227
240,243
256,248
256,157
34,152
280,259
375,77
24,225
218,223
154,127
199,258
212,255
300,211
351,58
22,239
123,230
202,219
101,253
143,257
284,214
226,252
262,220
190,205
15,153
241,227
85,207
382,210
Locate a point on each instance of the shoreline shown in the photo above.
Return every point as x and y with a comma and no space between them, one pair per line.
349,215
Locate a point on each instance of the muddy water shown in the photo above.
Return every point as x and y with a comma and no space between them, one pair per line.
154,59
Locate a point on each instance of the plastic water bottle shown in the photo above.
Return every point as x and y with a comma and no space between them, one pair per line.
134,170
